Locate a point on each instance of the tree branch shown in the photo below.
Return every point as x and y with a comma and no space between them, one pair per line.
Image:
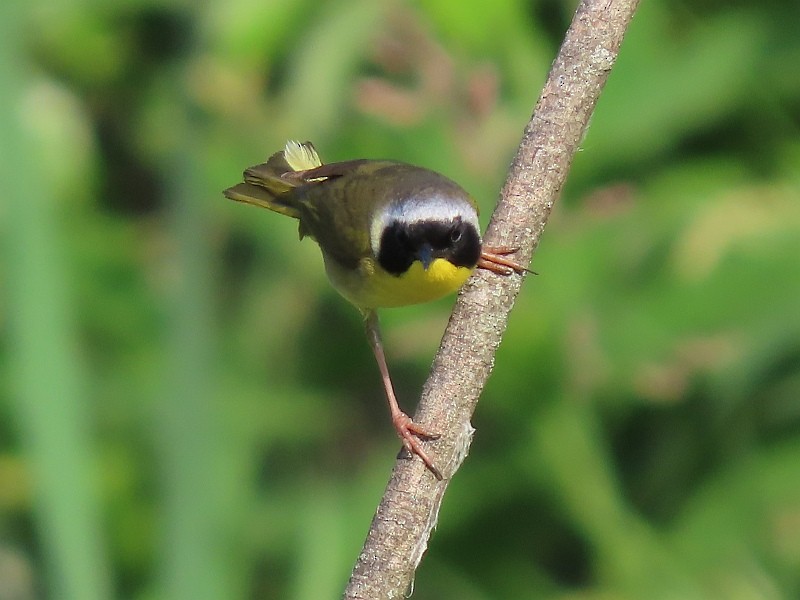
409,509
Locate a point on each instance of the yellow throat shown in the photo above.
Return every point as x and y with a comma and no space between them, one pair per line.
373,287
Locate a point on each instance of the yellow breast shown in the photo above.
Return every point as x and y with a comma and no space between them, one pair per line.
372,287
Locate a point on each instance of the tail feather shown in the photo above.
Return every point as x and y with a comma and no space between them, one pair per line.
266,184
301,157
261,196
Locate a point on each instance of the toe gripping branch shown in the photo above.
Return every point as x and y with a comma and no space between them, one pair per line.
494,259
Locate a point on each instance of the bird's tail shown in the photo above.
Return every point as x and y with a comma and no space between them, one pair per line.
268,185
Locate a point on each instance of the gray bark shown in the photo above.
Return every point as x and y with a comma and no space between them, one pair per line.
409,509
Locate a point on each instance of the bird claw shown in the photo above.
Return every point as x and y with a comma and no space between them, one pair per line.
410,433
494,259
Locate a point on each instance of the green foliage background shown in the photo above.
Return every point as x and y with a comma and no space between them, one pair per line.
187,409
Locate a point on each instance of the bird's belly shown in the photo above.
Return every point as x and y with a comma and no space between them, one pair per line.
372,287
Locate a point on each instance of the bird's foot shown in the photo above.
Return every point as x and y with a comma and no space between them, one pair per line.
494,259
410,433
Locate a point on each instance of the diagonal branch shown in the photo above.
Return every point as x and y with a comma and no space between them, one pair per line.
409,509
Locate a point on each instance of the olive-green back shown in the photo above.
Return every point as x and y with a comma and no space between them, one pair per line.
338,211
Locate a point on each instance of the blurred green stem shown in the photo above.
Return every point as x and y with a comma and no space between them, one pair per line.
196,563
630,554
46,376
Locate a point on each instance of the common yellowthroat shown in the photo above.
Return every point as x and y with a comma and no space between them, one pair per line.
391,234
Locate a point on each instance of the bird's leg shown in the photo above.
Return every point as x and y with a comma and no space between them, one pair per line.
409,432
494,259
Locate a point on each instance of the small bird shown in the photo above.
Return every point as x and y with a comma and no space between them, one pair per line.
391,234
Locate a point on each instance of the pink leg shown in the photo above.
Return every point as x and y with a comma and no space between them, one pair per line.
408,431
